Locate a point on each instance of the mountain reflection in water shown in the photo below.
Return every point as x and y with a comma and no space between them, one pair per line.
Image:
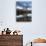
24,18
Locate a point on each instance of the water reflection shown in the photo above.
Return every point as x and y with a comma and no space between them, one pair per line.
25,17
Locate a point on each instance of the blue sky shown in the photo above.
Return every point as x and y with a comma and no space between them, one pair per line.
24,4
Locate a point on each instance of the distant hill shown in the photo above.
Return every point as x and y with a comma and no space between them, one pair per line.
22,11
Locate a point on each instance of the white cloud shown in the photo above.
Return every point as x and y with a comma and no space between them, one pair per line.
19,7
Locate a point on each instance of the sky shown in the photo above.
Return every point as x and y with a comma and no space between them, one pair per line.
31,30
24,4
